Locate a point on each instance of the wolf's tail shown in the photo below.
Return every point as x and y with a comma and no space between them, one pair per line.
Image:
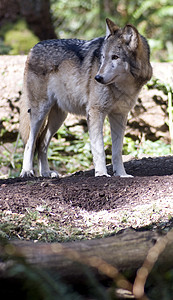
24,120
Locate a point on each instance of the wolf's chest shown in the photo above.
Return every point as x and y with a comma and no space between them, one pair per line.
124,103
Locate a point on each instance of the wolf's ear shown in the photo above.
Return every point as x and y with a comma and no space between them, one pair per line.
131,37
111,27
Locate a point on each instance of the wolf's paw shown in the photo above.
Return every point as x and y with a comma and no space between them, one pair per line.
126,175
50,174
27,174
98,174
123,175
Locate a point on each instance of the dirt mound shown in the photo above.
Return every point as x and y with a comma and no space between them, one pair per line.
101,204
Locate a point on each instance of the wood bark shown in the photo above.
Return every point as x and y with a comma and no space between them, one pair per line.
108,256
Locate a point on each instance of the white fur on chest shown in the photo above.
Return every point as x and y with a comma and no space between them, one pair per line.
68,94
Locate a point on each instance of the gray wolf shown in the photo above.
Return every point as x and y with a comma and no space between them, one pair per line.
97,78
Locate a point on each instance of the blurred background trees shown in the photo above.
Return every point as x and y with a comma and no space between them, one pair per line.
24,22
86,19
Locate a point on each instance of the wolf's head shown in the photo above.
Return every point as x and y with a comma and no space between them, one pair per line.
124,56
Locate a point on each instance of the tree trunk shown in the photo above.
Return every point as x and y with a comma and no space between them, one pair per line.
36,13
38,17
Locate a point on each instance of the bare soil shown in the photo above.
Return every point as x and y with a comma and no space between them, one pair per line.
101,204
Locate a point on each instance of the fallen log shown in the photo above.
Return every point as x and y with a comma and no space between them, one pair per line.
124,251
77,262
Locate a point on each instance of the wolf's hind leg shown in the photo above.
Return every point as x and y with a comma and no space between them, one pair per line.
55,120
37,118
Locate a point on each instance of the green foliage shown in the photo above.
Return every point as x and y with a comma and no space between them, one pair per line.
70,151
78,17
148,148
86,19
11,158
18,39
4,49
167,89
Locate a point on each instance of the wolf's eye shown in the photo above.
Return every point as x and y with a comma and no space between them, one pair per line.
114,57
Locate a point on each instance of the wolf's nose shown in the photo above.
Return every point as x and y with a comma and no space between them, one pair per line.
99,78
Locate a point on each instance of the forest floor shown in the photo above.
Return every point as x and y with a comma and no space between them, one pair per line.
82,206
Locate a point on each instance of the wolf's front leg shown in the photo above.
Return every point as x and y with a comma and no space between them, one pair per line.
95,125
118,123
